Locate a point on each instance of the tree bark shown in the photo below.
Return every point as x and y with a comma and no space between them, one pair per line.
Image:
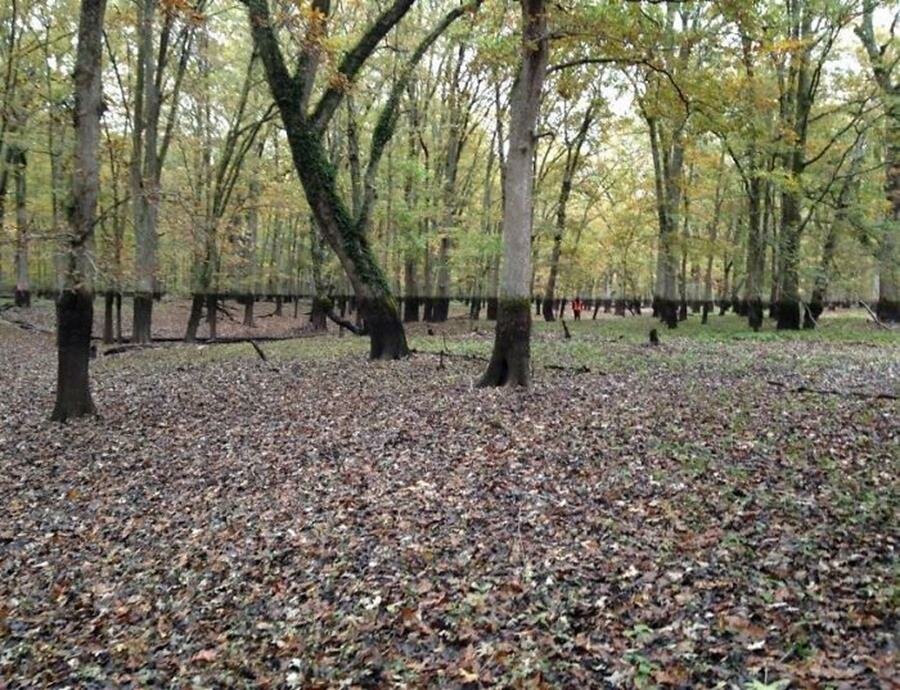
74,307
23,285
190,334
410,291
888,253
511,357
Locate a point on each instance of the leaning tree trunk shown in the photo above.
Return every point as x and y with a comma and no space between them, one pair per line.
74,308
345,233
194,318
511,357
376,303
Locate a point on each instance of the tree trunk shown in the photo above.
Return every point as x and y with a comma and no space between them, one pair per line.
212,314
888,306
23,285
344,232
194,318
788,305
318,314
74,320
410,290
440,311
888,254
756,254
109,299
74,307
511,357
144,175
118,317
321,304
665,298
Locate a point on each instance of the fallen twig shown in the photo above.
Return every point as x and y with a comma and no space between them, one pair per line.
478,358
25,326
118,350
174,342
832,391
350,326
874,316
262,355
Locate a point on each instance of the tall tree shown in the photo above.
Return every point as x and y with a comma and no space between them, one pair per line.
883,59
510,361
150,139
23,241
573,146
74,307
811,31
344,231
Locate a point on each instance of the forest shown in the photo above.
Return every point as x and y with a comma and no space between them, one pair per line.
449,343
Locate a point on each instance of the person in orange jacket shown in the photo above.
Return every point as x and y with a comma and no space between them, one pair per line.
577,306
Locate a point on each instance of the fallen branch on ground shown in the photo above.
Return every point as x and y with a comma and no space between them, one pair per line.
118,350
25,326
874,316
350,326
478,358
832,391
174,342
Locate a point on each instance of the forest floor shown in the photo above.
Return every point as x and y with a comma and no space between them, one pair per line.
689,515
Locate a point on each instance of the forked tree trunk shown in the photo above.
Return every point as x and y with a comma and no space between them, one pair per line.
344,232
149,151
844,198
74,307
510,361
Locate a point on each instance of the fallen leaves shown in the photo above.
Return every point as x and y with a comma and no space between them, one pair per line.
328,521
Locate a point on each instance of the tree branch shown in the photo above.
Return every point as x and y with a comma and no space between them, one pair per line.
353,61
